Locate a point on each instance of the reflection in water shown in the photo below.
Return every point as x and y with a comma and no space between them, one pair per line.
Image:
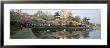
66,34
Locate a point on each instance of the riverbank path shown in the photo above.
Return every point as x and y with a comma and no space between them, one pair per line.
23,34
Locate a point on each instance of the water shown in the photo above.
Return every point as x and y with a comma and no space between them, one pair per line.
66,34
95,34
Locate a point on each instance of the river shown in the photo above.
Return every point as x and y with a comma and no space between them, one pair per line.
95,34
64,34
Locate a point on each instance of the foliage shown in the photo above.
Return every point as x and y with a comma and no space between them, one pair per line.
77,18
86,20
41,17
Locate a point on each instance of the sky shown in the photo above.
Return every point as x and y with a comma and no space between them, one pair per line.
93,14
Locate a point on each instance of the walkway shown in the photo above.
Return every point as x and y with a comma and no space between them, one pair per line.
24,34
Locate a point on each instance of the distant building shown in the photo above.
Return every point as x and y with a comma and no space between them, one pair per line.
62,14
